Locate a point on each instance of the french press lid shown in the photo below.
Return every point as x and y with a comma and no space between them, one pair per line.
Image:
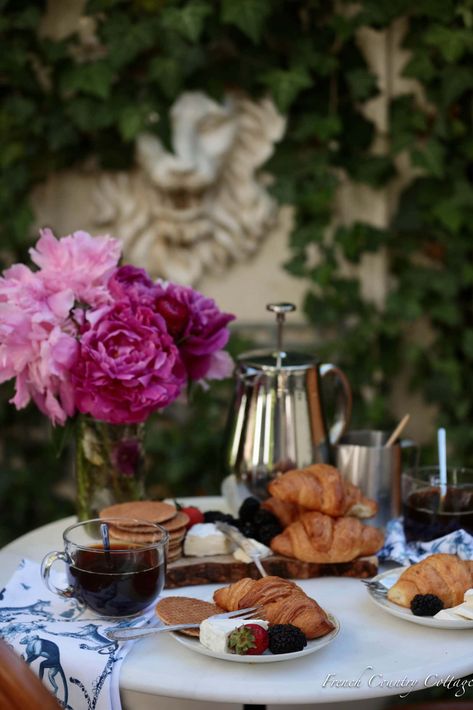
277,359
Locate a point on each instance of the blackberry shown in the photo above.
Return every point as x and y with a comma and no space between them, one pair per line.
426,605
211,516
266,533
248,509
264,517
286,638
248,529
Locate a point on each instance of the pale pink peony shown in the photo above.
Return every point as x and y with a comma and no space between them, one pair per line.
199,328
33,348
128,366
78,262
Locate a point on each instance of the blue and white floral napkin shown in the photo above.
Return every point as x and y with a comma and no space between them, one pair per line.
62,641
397,549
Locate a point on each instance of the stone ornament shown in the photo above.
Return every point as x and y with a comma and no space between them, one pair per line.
204,205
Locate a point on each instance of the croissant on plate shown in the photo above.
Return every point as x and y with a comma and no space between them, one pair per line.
284,511
446,576
283,602
321,487
316,537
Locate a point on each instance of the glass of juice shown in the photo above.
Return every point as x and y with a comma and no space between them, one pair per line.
427,513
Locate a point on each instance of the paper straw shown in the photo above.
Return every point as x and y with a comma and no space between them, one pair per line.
442,451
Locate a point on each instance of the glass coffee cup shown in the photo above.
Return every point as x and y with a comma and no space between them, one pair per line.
427,514
121,579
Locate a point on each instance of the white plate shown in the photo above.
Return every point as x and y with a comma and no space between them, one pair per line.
193,644
388,579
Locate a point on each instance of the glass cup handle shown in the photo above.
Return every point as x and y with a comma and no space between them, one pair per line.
46,566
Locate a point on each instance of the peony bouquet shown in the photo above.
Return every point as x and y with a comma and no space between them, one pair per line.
83,334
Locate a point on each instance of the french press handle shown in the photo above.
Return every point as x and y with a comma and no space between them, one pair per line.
344,407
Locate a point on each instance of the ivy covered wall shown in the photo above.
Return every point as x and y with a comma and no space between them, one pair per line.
87,95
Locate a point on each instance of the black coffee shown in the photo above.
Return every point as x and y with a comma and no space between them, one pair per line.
426,517
119,583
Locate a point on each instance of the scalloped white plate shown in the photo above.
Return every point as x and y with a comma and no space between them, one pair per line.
193,644
388,579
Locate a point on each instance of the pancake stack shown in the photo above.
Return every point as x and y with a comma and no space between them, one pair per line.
141,532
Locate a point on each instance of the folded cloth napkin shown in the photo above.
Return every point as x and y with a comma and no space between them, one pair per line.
397,549
63,641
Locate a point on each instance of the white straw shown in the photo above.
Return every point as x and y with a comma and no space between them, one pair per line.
442,451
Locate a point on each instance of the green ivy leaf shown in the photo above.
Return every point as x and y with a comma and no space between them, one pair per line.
130,122
248,15
362,83
431,158
167,73
285,85
188,21
94,79
357,239
451,43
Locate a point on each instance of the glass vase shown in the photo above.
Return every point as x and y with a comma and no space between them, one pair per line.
109,464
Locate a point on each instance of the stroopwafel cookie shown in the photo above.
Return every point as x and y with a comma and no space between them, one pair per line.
185,610
148,511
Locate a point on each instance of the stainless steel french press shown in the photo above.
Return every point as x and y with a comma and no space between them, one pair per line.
277,420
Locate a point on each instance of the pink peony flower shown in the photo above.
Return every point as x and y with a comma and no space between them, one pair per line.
128,366
199,328
33,347
79,263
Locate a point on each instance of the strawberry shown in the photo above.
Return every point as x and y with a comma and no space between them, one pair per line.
195,515
249,640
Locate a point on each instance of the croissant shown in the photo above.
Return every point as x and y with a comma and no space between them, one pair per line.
284,511
321,487
446,576
316,537
283,602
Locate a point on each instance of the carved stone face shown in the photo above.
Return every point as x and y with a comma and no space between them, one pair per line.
203,205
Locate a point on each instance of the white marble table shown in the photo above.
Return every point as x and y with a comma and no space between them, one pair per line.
374,654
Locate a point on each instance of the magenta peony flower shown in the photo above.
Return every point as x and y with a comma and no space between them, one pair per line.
128,366
199,327
79,263
129,282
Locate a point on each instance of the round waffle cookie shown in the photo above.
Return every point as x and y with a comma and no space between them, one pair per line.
133,536
149,511
174,555
179,521
185,610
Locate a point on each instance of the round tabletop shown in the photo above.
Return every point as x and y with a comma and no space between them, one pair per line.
374,654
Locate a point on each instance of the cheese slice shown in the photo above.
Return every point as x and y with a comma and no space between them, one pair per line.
204,540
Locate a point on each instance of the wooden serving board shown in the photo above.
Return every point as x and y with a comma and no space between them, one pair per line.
226,569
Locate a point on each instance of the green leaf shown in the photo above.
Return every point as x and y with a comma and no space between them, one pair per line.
357,239
451,43
362,83
94,79
188,21
167,73
431,158
285,85
248,15
130,122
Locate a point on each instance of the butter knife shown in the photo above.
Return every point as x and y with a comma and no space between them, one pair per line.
241,541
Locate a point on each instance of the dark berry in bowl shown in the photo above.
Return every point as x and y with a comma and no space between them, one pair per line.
248,509
426,605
